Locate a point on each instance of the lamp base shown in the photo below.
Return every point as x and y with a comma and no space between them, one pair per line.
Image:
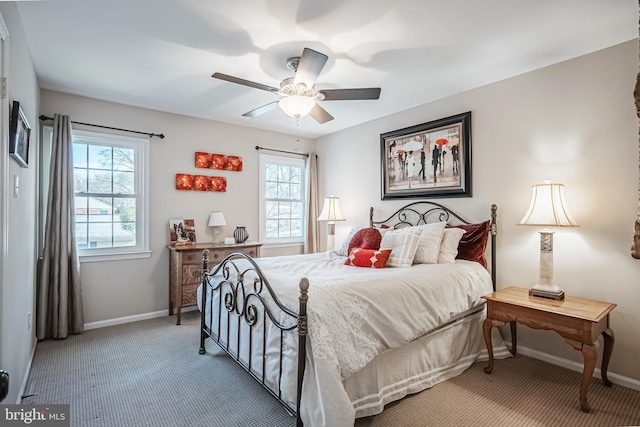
558,296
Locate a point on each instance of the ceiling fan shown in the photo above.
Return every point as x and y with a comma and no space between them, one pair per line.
299,95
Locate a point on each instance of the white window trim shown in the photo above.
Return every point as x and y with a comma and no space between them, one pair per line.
280,160
142,218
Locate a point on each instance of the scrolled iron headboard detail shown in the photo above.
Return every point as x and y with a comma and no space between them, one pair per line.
425,212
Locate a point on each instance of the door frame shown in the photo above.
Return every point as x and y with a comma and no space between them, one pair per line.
4,181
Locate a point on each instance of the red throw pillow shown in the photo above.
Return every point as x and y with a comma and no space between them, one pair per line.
366,238
368,258
473,244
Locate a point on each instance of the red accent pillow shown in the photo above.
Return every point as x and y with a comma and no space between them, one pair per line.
368,258
473,244
366,238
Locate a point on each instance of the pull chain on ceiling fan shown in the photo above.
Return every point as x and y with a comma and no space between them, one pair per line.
299,95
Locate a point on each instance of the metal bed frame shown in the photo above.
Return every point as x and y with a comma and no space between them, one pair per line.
242,300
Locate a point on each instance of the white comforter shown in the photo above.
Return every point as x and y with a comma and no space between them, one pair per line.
357,313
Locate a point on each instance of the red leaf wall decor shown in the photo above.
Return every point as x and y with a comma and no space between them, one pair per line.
200,182
218,162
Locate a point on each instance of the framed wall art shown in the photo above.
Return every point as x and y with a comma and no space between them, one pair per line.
19,133
429,160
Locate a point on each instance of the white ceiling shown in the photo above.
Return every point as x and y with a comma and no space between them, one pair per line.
160,54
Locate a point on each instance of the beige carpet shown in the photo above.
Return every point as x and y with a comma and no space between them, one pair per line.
149,373
521,391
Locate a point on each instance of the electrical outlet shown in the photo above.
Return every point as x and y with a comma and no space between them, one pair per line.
29,319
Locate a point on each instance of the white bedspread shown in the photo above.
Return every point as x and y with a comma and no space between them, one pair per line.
357,313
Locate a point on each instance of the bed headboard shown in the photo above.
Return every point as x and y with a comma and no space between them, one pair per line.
425,212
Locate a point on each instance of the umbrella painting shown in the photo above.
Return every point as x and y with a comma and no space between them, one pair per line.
428,171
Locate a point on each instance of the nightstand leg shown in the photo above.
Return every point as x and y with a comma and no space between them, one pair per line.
514,338
486,328
590,356
178,313
609,340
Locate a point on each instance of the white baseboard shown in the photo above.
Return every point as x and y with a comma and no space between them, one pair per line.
575,366
134,318
23,387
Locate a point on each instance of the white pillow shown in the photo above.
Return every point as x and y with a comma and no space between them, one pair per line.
449,246
403,244
342,250
429,243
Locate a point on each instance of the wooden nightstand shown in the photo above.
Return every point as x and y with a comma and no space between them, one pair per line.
185,269
578,320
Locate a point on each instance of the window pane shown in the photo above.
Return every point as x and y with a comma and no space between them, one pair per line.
271,228
271,211
284,190
296,191
100,209
124,234
82,209
79,155
271,190
81,234
284,210
123,159
272,173
80,180
296,210
284,228
99,181
295,175
100,235
296,228
123,182
100,157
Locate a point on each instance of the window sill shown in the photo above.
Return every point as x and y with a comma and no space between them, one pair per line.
113,256
282,244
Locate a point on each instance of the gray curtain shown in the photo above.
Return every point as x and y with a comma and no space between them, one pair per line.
312,239
58,296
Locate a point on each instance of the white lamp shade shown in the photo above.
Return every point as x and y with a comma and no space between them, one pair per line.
216,219
548,207
331,210
296,106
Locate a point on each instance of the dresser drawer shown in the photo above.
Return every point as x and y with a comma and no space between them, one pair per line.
191,274
192,257
251,251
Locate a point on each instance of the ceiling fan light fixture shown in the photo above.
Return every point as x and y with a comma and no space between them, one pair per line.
297,106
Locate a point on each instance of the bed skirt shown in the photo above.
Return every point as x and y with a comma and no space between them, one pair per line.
421,364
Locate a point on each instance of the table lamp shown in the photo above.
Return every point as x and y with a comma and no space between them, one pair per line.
216,220
331,213
547,209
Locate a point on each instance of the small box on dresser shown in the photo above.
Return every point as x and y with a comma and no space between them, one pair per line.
185,267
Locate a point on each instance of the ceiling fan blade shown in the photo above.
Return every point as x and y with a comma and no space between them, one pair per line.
309,67
320,115
351,94
243,82
261,110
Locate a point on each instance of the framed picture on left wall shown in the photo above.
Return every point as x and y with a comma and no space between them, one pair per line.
19,133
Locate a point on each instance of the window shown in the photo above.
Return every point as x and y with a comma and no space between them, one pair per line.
111,202
282,199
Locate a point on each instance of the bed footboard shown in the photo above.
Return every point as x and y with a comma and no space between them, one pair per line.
240,311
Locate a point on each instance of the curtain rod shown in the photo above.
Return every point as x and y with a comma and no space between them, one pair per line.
160,135
258,148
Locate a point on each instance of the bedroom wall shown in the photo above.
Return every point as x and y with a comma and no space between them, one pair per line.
18,336
139,287
574,123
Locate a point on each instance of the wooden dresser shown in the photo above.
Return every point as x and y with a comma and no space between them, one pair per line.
185,267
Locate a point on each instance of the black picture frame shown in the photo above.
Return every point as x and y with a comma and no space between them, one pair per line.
407,174
19,135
